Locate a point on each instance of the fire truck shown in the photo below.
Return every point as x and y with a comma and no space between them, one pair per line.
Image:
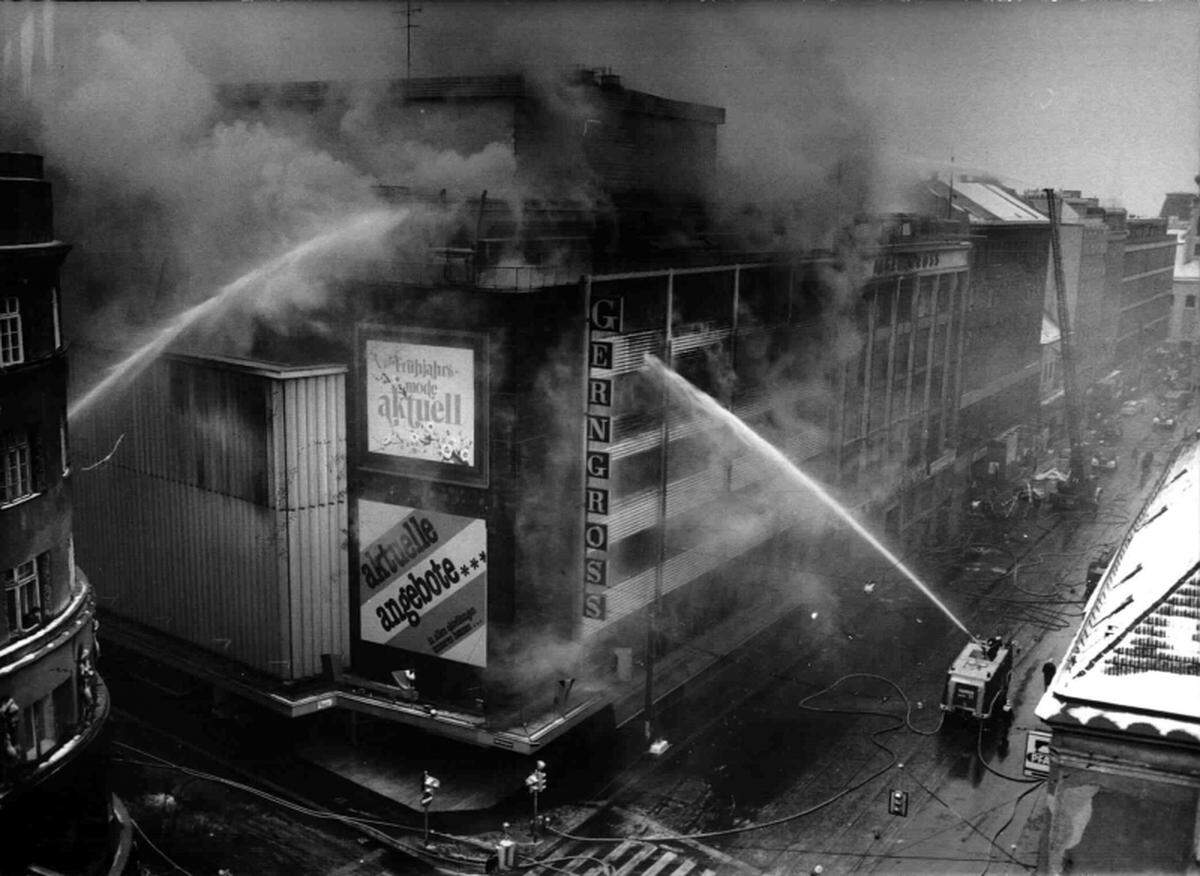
977,681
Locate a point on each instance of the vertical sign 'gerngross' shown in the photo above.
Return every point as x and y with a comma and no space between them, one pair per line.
604,322
423,581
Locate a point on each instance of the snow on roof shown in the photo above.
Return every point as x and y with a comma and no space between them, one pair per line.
996,203
1135,659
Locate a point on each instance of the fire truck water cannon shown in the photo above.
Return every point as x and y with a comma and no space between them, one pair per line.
978,679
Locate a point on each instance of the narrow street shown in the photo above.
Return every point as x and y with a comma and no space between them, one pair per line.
797,774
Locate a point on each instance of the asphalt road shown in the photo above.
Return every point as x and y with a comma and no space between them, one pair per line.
796,774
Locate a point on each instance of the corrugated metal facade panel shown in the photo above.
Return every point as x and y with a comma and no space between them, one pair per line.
169,527
310,478
192,563
222,517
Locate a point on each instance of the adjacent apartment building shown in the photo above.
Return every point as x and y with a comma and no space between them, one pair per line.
56,811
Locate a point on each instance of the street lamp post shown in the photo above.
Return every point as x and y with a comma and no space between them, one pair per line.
664,480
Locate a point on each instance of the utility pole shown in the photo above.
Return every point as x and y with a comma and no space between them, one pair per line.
663,460
409,12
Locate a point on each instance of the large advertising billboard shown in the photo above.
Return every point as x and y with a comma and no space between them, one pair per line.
424,403
423,581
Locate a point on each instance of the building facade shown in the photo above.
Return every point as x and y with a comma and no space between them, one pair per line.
1182,212
1147,269
896,432
55,807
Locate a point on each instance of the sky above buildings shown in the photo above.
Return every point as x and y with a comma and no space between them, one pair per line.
1102,97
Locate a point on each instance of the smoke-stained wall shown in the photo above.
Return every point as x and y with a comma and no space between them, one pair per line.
1001,352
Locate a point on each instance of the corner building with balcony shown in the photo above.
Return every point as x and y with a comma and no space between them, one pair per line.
56,811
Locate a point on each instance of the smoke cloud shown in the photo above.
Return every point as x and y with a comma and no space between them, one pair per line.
168,199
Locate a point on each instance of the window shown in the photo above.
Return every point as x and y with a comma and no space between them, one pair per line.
37,733
1189,301
12,351
23,595
16,466
62,446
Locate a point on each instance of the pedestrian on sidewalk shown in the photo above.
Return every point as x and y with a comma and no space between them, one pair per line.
1048,670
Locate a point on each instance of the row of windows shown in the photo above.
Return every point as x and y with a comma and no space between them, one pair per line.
23,585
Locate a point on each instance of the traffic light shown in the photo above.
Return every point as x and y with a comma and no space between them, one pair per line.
898,802
536,780
427,788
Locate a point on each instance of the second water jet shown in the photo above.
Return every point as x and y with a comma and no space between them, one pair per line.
683,391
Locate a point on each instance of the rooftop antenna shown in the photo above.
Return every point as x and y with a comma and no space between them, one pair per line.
950,196
409,11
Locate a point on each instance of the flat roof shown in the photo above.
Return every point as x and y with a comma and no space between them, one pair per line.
257,367
451,88
1000,204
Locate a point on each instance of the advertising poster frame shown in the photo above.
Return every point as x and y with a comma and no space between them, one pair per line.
423,584
371,394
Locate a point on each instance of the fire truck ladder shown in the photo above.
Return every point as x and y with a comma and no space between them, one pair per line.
1079,474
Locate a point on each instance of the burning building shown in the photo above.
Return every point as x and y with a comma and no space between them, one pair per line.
1009,270
462,503
55,807
897,436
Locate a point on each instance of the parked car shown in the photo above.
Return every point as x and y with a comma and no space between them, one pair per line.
1131,408
1164,419
1103,459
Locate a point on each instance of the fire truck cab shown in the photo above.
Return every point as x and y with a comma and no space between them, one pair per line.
977,682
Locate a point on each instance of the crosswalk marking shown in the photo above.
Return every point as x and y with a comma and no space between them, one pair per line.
685,867
660,864
586,860
627,868
629,858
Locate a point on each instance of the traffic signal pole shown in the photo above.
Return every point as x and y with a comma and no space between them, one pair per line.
536,783
428,786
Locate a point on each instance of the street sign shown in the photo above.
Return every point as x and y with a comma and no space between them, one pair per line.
1037,753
